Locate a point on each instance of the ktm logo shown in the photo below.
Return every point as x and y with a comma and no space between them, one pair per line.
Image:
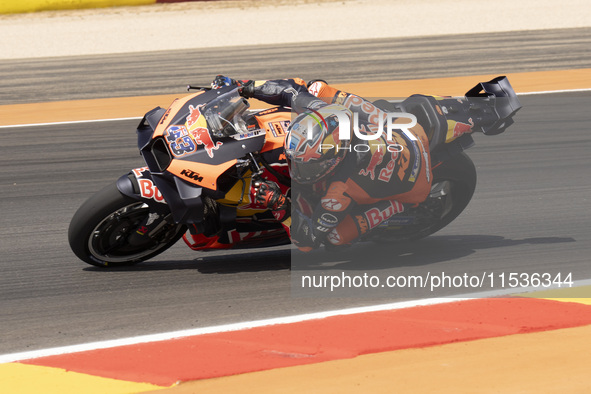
192,175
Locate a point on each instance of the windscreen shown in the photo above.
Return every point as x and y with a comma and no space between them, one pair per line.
224,114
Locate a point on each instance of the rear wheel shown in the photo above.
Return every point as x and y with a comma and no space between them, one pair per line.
453,185
102,231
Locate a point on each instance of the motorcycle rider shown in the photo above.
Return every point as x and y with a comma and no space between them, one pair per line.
345,186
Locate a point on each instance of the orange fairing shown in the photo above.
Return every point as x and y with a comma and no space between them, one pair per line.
275,122
204,175
174,108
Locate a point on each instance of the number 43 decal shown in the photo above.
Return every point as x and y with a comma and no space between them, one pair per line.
179,141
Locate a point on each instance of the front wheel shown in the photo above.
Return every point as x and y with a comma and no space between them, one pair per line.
101,231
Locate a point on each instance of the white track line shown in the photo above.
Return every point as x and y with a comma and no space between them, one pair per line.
131,118
70,122
12,357
554,91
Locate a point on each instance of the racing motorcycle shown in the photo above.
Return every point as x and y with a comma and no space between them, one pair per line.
204,152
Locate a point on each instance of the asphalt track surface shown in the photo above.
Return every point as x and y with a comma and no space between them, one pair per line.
529,214
151,73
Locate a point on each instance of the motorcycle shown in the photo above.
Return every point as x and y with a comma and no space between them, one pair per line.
204,152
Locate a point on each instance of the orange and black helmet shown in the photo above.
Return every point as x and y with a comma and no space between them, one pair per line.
317,141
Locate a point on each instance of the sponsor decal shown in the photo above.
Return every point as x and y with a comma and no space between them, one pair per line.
278,128
417,164
178,140
195,117
267,111
328,220
192,175
139,172
376,158
165,116
201,136
386,173
331,204
334,237
362,224
461,128
248,134
278,215
152,216
197,129
147,188
315,88
398,221
427,163
375,216
142,230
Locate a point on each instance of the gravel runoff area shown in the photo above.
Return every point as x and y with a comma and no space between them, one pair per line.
250,22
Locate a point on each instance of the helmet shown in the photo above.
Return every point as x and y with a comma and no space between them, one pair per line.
314,146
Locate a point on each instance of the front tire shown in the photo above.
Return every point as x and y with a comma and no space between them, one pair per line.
100,230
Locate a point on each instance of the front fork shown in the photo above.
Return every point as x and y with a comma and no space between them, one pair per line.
139,186
149,227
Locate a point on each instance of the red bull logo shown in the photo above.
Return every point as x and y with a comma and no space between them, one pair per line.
376,159
462,128
197,126
375,215
194,115
201,136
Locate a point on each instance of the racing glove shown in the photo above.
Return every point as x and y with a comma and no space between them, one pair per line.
245,86
268,194
302,233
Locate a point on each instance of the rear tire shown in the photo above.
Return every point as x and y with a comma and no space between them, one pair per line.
99,231
460,173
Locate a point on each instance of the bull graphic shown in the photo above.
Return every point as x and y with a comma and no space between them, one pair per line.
376,159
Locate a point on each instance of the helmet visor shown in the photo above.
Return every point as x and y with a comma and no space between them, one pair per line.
312,171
